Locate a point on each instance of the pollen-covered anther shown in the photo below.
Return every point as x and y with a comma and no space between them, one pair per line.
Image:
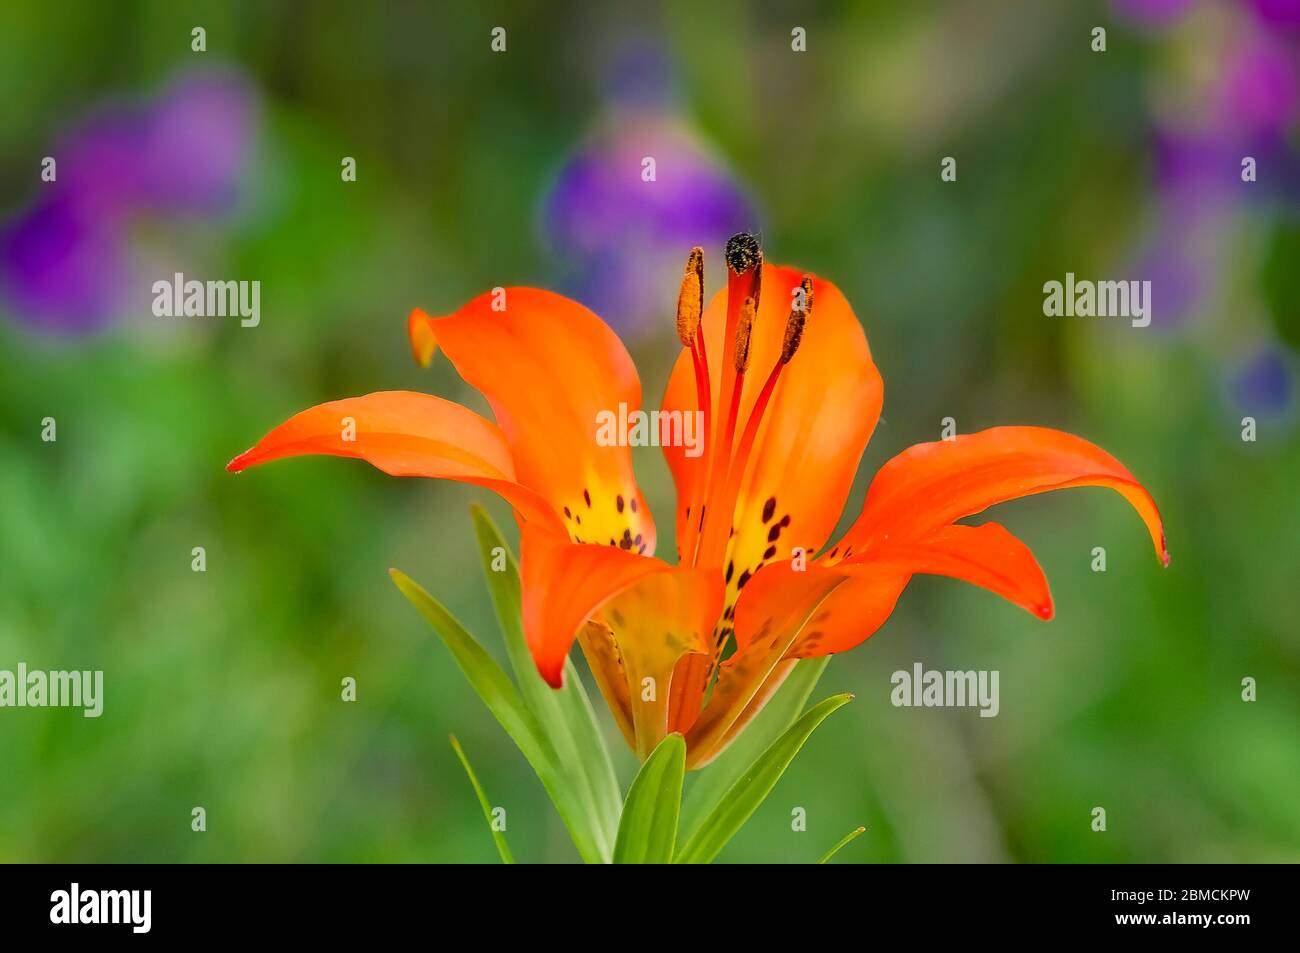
690,300
795,323
743,252
745,264
744,328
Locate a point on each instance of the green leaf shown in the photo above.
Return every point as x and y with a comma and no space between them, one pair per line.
593,754
498,837
648,831
748,793
565,715
503,700
710,784
851,835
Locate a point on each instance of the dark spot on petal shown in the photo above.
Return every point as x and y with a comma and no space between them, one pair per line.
567,514
618,501
632,503
744,578
769,508
731,567
774,533
769,552
587,496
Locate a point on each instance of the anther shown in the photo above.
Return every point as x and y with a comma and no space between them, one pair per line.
745,269
690,301
795,324
743,252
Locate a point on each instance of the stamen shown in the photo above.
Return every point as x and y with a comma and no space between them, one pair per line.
794,325
726,504
703,400
718,478
744,328
692,294
690,300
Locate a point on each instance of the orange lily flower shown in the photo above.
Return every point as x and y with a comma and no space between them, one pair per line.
779,367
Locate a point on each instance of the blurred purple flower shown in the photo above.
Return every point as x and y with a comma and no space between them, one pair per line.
1260,86
620,236
1178,279
1280,13
1265,384
1252,101
62,268
64,260
1151,13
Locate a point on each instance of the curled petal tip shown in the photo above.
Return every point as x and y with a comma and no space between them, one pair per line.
552,674
419,328
239,463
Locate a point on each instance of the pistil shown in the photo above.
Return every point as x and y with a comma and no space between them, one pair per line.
715,542
744,284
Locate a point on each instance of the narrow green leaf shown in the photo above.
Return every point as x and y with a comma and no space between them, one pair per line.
566,715
498,837
593,753
503,700
748,793
706,787
851,835
648,831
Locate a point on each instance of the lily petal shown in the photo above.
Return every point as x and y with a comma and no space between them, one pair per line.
778,605
404,433
552,371
787,614
988,556
601,652
563,585
931,485
654,614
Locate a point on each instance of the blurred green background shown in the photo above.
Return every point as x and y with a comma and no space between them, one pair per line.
223,687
